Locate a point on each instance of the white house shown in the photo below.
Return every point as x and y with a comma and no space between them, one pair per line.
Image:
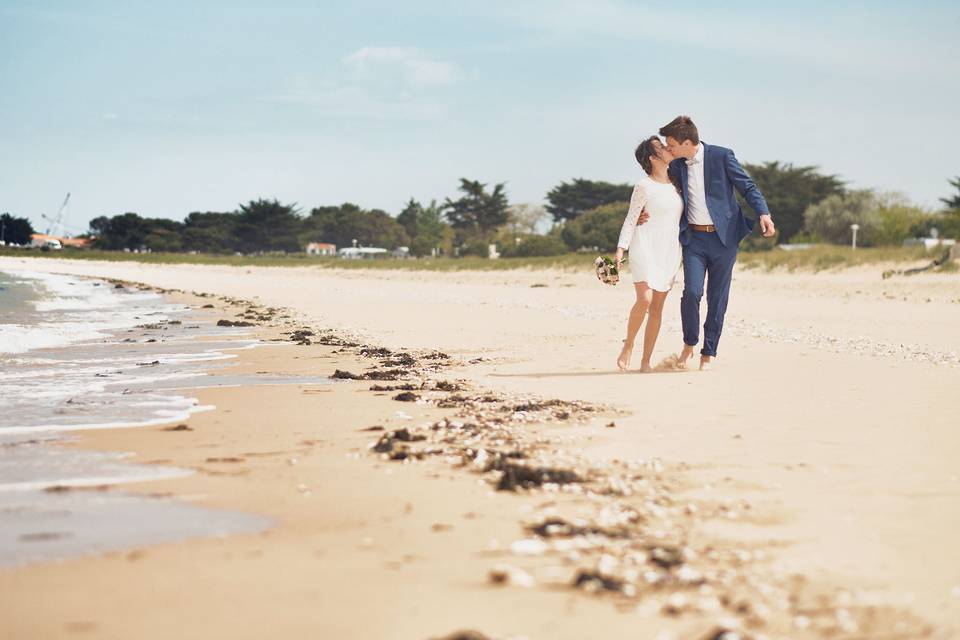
44,241
321,249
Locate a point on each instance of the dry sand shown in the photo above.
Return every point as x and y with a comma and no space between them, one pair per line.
830,412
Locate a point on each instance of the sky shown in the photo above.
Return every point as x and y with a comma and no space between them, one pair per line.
164,108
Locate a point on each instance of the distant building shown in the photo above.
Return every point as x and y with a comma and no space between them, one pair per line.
933,241
76,243
362,253
321,249
41,240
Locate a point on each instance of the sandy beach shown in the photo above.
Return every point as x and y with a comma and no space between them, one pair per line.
808,483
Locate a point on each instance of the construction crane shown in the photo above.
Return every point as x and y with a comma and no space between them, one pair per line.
56,223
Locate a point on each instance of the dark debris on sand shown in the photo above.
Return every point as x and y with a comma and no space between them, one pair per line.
402,360
394,387
376,374
375,352
392,445
302,336
234,323
518,476
468,634
385,374
388,440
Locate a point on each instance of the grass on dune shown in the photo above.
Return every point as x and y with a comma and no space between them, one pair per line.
815,259
827,257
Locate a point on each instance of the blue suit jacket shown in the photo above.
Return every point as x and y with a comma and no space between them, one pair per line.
721,175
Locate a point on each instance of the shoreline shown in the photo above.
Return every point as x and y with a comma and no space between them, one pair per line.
478,371
211,485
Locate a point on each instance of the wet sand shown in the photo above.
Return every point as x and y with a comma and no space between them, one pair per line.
824,439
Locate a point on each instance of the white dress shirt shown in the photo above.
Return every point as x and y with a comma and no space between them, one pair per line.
697,212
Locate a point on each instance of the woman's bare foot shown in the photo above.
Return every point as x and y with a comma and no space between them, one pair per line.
645,367
623,361
685,354
705,362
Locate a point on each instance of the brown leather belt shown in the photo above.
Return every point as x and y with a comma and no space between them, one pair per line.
703,227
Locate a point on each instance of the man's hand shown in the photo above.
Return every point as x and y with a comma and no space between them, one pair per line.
644,216
766,226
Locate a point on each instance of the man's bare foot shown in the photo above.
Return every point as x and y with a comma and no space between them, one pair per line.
645,367
623,361
685,354
705,362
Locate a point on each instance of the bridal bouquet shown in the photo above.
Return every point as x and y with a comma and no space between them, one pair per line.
607,271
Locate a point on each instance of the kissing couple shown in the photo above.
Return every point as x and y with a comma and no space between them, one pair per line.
690,187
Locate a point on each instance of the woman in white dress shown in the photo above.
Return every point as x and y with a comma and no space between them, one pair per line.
655,253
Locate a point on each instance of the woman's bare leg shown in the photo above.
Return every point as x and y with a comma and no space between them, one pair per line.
637,312
654,317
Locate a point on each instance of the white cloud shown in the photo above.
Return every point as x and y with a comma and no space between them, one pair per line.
410,65
381,83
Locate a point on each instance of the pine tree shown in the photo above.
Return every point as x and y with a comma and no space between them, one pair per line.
953,202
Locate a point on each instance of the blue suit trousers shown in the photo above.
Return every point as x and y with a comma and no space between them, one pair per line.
705,257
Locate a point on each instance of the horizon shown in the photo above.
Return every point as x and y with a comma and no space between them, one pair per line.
201,108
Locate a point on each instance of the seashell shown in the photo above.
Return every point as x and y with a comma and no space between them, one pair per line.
507,574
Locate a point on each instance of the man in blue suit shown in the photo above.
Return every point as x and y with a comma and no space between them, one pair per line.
711,228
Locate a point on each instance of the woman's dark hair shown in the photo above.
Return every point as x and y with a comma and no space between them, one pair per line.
643,152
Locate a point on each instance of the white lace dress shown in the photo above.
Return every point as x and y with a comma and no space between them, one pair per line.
654,246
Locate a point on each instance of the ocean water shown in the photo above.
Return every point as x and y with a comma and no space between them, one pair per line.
79,353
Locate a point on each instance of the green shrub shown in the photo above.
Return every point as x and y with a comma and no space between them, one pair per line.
531,246
830,219
947,223
599,227
476,248
899,220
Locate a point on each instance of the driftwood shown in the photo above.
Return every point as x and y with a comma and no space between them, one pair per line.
946,257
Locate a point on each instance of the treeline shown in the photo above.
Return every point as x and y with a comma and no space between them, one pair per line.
808,206
263,226
465,225
812,207
15,230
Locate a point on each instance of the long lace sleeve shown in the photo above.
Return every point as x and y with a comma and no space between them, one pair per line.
637,202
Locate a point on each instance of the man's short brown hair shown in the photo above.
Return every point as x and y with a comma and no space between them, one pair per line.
680,129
